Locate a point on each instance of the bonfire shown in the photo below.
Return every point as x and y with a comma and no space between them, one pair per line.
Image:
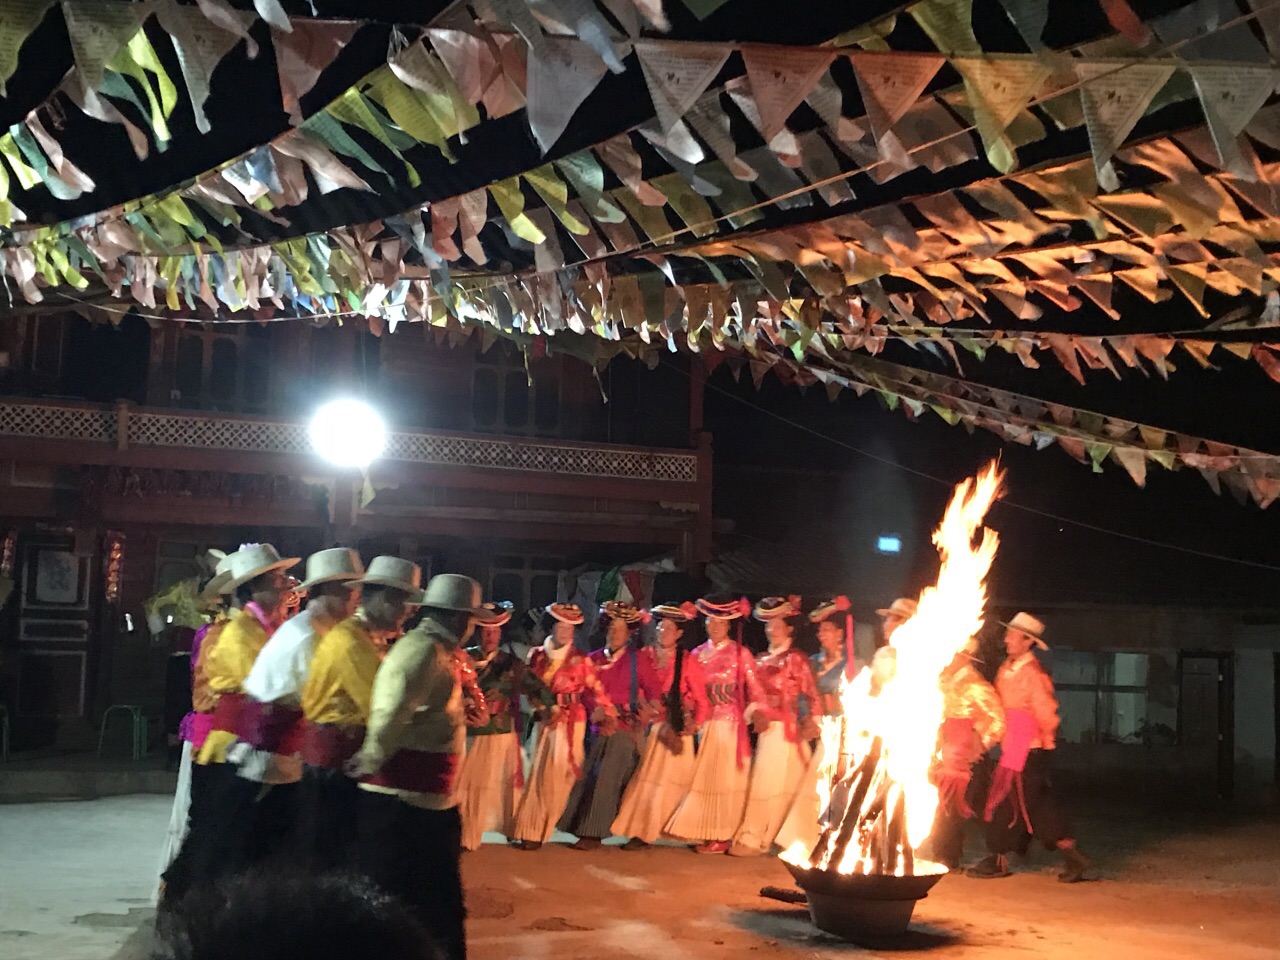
874,782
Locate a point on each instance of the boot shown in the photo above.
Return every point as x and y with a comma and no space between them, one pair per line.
990,868
635,843
585,843
1074,864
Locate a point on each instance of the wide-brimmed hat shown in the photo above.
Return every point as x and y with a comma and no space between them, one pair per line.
829,608
217,584
453,591
669,611
496,614
1031,626
776,608
396,573
336,563
253,561
903,607
723,610
212,557
566,613
617,610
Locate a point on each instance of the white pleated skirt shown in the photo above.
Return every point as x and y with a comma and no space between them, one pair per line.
803,823
177,831
776,776
551,778
660,784
717,795
488,787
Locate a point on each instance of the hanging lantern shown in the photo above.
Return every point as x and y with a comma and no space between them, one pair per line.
114,552
8,550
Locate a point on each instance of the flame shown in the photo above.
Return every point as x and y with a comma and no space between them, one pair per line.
902,704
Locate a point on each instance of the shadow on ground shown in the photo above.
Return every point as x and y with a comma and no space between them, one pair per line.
792,925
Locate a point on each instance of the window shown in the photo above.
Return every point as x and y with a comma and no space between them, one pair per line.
503,398
224,368
528,582
1108,697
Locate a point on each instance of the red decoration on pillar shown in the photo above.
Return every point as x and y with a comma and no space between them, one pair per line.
114,566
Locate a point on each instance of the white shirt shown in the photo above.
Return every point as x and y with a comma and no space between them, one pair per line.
281,667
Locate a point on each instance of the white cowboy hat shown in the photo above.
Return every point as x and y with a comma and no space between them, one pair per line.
326,566
253,561
496,614
394,572
903,607
1029,626
217,584
453,591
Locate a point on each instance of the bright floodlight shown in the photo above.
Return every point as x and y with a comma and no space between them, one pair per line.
348,433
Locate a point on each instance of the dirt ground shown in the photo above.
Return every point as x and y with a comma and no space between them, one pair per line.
76,881
1170,897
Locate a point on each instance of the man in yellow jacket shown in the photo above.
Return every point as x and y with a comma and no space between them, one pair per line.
236,830
409,827
336,699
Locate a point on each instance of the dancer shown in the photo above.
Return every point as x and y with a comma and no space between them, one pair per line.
557,757
662,780
492,774
633,686
336,699
1021,803
832,666
712,811
226,837
782,743
272,725
190,798
410,832
973,722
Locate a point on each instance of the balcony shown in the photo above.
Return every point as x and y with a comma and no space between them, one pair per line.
449,481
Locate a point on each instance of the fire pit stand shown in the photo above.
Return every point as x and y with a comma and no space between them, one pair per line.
860,906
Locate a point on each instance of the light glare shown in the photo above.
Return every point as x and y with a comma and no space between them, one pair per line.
348,433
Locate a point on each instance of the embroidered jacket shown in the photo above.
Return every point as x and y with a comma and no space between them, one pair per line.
693,685
1023,684
503,678
724,669
568,680
784,678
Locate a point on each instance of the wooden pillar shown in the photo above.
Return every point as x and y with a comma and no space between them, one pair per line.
703,522
697,391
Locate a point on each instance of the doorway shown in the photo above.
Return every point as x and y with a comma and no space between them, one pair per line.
1206,714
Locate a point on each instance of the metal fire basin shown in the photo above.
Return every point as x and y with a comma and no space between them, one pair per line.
857,906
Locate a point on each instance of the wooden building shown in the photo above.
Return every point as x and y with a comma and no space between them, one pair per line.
127,451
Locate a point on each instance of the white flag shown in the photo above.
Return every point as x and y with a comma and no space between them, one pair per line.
1231,94
560,78
1114,95
678,74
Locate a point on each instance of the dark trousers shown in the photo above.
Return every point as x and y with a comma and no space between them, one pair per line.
177,878
328,805
1008,831
416,855
240,824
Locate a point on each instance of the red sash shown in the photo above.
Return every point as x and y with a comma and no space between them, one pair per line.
418,771
270,727
329,745
228,711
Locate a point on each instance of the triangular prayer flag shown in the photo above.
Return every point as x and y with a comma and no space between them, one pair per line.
302,54
1230,95
1029,18
98,29
949,24
677,75
1134,461
891,82
561,77
781,79
20,18
200,45
1114,96
999,89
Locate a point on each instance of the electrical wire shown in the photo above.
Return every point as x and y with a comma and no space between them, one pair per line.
1048,515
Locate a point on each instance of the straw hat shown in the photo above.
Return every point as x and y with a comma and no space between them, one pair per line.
253,561
776,608
829,608
903,607
394,572
669,611
727,610
617,610
496,614
452,591
566,613
1026,624
337,563
217,584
